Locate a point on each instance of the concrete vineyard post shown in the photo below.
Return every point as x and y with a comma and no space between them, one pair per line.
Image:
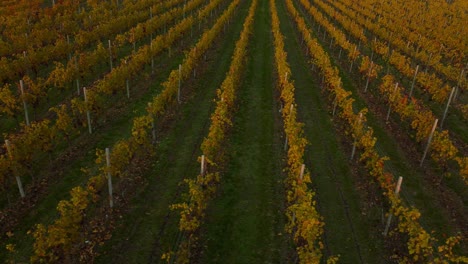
88,114
202,165
389,104
180,82
429,142
414,79
389,220
455,94
26,113
447,107
301,175
18,179
109,178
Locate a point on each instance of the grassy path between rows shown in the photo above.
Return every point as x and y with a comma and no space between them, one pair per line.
348,233
150,229
245,223
416,191
81,152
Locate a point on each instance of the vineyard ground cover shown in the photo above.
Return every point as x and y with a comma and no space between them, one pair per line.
457,130
100,72
352,224
418,189
67,173
454,184
99,120
58,97
443,207
404,37
55,95
245,222
149,228
454,122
